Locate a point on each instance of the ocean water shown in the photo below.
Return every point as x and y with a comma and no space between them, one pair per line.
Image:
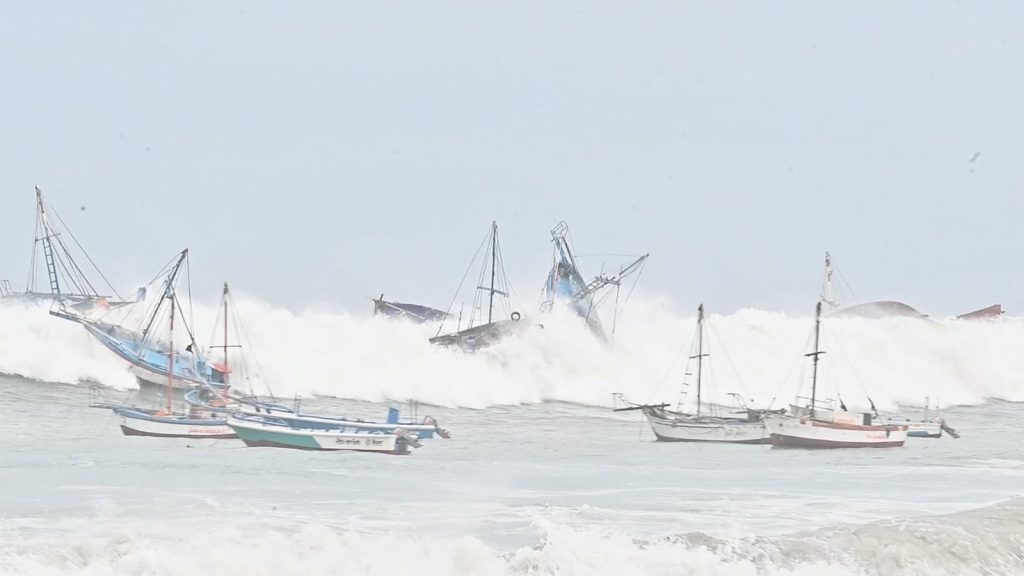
540,477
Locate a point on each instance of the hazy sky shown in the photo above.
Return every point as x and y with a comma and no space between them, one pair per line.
321,152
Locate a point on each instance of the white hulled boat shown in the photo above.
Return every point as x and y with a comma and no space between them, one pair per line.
707,422
817,425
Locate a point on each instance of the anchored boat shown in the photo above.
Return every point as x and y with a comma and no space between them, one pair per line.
267,431
707,422
817,424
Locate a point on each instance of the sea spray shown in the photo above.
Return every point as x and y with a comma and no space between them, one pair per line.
757,354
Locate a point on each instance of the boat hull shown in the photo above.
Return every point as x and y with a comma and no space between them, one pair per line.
924,430
684,428
139,423
258,434
794,432
303,422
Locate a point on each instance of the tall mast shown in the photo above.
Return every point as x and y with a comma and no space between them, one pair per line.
226,335
827,292
494,261
815,354
170,362
700,350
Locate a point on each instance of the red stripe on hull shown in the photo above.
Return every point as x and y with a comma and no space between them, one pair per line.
133,432
795,442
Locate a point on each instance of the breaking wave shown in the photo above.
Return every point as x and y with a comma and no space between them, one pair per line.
756,353
988,541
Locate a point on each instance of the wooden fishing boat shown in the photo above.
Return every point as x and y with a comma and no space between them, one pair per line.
565,284
263,431
707,422
476,336
149,358
817,425
67,283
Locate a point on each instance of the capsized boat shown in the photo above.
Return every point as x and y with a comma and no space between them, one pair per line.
708,422
266,431
476,336
414,312
67,283
873,310
565,284
817,424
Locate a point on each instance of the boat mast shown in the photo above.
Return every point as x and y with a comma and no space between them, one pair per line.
815,354
226,337
700,349
170,361
494,261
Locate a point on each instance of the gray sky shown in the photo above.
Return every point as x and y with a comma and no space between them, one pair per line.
320,152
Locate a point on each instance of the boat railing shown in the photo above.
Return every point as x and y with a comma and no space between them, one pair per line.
6,288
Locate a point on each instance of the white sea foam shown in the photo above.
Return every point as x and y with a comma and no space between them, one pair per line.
987,541
757,353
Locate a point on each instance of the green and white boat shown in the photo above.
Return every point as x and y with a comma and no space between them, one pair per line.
265,431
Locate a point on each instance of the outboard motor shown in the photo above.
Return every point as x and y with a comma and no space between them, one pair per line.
404,441
430,421
947,428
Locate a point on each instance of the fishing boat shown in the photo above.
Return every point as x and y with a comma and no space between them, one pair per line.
165,422
817,424
149,358
413,312
476,336
68,283
427,429
931,424
263,431
878,309
221,397
705,423
565,284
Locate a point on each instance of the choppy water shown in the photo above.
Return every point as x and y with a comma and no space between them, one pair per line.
540,476
553,488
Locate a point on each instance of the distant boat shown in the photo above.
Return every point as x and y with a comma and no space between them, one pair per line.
262,431
879,309
743,427
565,283
817,424
931,424
415,312
480,335
987,313
67,282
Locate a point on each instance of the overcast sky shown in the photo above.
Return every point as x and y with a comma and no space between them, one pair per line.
317,153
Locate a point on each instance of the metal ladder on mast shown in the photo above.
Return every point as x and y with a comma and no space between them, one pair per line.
51,268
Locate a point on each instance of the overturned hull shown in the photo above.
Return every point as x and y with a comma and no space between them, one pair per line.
987,313
414,312
880,309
